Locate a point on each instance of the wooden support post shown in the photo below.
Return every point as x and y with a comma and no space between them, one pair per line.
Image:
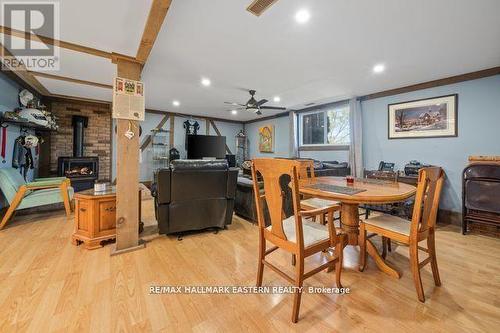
127,173
207,126
218,133
172,126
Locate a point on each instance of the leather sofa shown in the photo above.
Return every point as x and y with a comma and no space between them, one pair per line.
245,200
331,169
194,195
321,168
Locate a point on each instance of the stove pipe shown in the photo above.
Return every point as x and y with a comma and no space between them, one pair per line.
79,123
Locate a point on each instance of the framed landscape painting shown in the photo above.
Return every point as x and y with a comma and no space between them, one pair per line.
424,118
266,139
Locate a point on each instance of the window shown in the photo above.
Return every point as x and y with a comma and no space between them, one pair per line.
326,126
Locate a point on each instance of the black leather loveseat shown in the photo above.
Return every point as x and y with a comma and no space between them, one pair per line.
194,195
245,200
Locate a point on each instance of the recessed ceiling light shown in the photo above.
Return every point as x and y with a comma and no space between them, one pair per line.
206,82
234,112
176,103
302,16
277,99
379,68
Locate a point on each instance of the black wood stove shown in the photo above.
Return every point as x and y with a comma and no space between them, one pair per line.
83,171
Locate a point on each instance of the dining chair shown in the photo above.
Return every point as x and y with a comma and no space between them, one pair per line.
421,227
390,176
306,171
294,234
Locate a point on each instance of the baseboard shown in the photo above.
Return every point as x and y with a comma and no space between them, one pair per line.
449,217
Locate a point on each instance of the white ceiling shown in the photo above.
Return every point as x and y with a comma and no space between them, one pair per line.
59,87
328,58
109,25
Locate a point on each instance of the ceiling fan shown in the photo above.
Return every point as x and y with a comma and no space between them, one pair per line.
257,7
253,105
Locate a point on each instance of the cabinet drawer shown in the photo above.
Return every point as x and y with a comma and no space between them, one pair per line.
107,216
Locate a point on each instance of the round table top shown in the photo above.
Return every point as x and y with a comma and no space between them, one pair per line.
374,191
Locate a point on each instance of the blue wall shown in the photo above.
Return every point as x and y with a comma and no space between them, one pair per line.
9,91
478,133
282,142
9,100
281,137
327,155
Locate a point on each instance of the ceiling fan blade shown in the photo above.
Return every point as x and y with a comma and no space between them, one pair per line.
233,103
262,101
272,108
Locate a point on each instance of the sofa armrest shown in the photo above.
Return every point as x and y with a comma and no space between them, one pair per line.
232,180
162,186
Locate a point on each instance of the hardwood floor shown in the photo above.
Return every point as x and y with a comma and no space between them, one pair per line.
49,285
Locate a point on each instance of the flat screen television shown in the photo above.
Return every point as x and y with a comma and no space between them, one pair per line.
206,146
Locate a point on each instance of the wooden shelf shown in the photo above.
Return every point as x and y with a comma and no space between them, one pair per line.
25,124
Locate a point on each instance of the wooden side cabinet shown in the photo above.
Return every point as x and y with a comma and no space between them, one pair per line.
95,218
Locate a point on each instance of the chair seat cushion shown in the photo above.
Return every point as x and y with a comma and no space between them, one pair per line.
313,232
318,203
391,223
43,197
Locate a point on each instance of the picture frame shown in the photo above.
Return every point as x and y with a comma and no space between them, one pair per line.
266,139
435,117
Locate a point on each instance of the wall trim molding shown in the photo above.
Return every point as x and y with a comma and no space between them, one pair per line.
325,148
72,80
184,115
64,98
449,217
278,115
435,83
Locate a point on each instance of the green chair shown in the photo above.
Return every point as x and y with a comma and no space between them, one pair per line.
41,192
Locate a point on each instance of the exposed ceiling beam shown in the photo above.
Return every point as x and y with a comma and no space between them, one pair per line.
57,97
157,13
65,98
24,75
63,44
70,79
257,7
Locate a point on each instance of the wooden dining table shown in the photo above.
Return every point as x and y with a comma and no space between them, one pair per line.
369,191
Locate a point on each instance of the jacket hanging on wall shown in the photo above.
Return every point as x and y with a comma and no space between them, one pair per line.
191,127
4,143
18,156
22,158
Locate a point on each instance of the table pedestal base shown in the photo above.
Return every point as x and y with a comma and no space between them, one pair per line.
349,219
349,216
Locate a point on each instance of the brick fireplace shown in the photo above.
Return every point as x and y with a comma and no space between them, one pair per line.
97,139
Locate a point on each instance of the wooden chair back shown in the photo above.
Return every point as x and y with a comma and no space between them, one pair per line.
306,169
430,183
272,170
383,175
